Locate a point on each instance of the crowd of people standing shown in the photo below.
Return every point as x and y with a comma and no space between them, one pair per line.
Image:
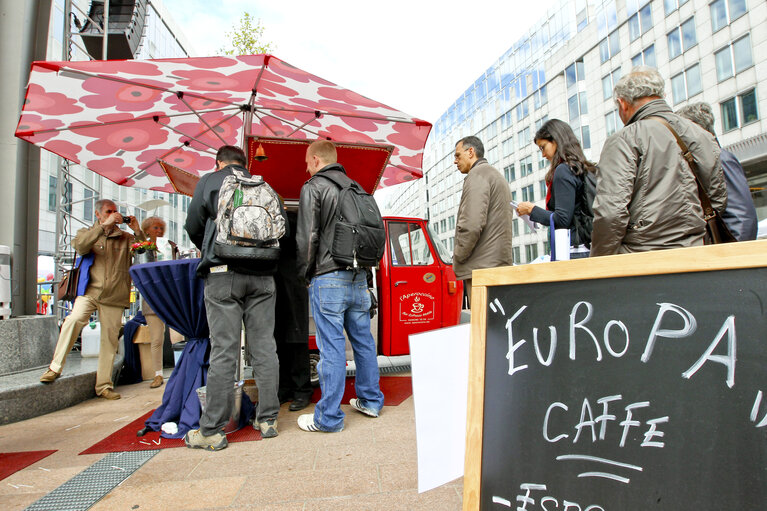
644,194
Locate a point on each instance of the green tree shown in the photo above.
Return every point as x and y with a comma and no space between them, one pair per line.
247,38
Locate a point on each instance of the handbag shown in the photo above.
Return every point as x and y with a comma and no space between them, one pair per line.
716,229
68,286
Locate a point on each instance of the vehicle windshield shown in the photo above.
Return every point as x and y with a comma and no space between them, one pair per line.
443,252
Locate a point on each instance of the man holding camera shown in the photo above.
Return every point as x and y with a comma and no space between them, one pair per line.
105,249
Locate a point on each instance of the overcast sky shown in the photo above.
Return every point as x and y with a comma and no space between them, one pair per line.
416,56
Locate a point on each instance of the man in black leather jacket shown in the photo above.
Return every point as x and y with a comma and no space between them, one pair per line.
339,299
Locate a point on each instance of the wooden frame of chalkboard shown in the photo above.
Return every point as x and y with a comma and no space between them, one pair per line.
639,405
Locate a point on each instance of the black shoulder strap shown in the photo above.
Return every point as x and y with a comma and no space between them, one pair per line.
335,179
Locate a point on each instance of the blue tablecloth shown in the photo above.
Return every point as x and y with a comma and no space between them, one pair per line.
176,295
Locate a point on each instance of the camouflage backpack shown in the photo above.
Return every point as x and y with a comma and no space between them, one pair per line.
249,222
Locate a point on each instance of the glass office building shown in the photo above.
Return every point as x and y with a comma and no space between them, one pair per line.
161,39
566,67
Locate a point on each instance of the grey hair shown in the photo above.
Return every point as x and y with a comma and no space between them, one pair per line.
641,82
100,204
149,221
701,114
476,143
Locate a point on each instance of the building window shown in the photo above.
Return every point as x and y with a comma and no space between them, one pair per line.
514,196
682,38
585,138
451,222
542,184
575,72
686,84
613,122
88,205
739,111
542,163
531,251
523,137
540,122
516,254
526,167
68,197
645,58
491,131
640,22
582,19
734,58
540,97
577,105
506,120
609,81
515,227
528,193
508,173
523,110
52,182
609,47
670,6
508,146
723,12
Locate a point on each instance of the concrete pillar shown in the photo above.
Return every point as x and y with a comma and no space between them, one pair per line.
24,31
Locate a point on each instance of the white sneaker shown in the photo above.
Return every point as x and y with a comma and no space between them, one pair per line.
306,422
362,409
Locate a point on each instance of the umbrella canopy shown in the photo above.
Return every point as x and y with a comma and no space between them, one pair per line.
122,118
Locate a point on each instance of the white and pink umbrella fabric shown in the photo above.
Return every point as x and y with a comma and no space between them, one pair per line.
121,118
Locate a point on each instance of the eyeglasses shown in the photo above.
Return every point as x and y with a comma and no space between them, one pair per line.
542,145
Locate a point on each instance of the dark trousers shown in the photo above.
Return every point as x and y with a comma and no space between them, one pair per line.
230,299
295,372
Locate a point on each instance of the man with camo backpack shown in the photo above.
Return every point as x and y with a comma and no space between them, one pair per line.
236,220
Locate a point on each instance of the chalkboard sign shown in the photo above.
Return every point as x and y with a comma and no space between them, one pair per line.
640,385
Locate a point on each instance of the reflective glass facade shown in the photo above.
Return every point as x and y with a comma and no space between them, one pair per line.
566,68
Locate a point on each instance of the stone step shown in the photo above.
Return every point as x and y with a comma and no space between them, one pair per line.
22,396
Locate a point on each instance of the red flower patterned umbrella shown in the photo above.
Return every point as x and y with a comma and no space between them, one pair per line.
121,118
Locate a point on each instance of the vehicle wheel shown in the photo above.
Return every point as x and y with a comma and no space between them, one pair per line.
314,378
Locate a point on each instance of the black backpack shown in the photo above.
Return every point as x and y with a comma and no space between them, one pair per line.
583,217
359,237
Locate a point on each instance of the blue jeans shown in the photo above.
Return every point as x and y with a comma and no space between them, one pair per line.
340,300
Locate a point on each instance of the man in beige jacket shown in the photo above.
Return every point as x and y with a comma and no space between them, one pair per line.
483,228
108,291
647,198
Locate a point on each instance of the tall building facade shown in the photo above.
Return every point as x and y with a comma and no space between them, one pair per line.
161,39
566,67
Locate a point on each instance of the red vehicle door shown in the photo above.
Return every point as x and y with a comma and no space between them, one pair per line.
414,286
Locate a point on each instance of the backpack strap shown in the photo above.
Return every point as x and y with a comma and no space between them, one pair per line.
335,179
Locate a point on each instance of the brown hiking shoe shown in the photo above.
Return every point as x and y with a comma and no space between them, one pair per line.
49,376
156,382
109,394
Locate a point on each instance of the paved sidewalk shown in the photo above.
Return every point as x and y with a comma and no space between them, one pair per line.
370,465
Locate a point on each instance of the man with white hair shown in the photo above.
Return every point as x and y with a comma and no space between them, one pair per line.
647,198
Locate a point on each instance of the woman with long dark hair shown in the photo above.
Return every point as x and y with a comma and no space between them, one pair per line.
564,180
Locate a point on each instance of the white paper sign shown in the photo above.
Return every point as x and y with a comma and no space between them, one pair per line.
440,375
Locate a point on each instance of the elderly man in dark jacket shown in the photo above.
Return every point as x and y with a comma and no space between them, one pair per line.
484,222
339,297
740,215
647,198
